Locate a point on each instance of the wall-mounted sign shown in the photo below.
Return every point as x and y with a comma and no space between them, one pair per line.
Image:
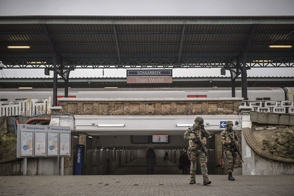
163,139
150,72
149,76
149,79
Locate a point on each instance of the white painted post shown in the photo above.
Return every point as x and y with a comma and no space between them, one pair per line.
62,166
25,166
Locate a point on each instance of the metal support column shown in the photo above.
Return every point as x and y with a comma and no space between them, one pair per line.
54,81
244,78
66,78
235,72
233,88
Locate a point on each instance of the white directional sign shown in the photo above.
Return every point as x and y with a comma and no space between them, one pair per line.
222,124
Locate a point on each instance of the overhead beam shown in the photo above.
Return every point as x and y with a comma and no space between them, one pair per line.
112,63
116,43
181,43
140,43
146,33
156,21
175,79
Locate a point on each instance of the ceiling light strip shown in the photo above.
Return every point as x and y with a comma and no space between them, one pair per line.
280,46
18,47
111,125
184,125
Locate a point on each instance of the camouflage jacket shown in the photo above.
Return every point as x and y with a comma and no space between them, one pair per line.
194,131
225,139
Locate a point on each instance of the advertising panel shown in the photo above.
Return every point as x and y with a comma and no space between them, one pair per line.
40,143
53,143
65,144
43,140
27,144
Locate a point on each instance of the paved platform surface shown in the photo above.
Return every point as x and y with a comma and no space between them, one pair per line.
145,185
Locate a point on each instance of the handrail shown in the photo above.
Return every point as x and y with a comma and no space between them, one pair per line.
28,107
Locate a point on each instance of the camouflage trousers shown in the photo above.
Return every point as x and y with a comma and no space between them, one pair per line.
231,158
193,155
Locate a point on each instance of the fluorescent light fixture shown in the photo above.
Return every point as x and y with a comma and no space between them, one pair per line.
262,61
25,88
90,136
18,47
36,62
111,125
184,125
280,46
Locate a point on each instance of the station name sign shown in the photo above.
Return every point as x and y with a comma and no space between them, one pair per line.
149,76
150,72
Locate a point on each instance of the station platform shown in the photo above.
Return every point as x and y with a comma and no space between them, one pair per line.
145,185
132,180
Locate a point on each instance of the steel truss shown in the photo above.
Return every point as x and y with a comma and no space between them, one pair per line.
113,63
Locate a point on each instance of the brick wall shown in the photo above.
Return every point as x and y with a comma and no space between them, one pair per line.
158,107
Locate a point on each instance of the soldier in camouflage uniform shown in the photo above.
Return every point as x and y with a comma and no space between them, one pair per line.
194,150
226,138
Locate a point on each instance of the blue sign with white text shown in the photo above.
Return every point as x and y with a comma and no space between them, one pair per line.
222,124
79,159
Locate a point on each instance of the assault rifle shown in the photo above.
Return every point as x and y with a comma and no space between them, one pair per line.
235,147
197,140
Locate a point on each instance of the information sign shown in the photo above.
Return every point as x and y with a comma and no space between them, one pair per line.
53,143
64,144
222,124
40,144
27,143
43,140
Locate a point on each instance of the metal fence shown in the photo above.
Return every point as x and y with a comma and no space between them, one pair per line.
28,107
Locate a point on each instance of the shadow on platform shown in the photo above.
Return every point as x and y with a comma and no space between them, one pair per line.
138,167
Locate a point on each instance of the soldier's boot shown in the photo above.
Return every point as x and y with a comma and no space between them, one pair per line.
230,177
193,181
206,181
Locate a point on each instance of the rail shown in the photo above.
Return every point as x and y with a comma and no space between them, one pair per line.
283,107
28,107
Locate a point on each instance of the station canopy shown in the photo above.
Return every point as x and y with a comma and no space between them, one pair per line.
90,42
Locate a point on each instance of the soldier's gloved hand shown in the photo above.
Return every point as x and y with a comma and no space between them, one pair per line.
195,140
232,145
